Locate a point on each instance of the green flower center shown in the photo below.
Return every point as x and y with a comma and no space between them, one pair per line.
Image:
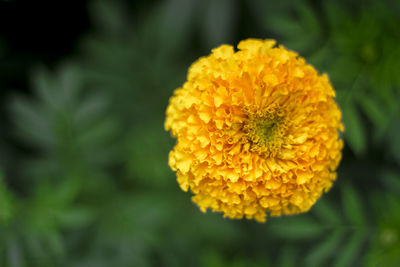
264,130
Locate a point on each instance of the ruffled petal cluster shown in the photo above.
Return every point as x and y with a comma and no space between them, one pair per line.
257,131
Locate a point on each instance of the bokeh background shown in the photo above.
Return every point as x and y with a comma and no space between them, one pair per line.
84,179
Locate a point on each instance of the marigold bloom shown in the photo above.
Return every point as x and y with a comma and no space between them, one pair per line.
257,131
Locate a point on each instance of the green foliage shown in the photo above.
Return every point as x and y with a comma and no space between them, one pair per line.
85,179
355,132
6,203
337,237
385,246
71,130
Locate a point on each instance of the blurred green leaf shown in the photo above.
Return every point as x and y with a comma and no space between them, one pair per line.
375,112
151,151
6,203
326,212
69,127
14,256
172,30
301,32
308,18
395,139
76,217
355,132
325,249
352,206
218,21
284,24
288,257
350,251
31,124
301,227
345,72
335,14
391,179
109,16
213,259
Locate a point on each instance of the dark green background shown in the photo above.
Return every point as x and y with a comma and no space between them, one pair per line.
83,153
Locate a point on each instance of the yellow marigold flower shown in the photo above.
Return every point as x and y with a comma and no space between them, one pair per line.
257,131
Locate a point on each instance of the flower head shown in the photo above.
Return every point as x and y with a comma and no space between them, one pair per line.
257,131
